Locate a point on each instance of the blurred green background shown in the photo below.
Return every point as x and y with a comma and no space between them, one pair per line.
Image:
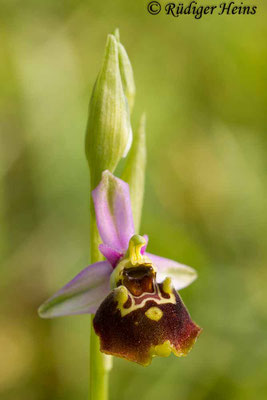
203,85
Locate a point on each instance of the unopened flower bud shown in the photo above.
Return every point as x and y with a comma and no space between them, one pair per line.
108,136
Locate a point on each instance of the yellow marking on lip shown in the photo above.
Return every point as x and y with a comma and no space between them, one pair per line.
154,313
121,296
162,350
167,285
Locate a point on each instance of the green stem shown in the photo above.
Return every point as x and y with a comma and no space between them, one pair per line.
98,371
99,362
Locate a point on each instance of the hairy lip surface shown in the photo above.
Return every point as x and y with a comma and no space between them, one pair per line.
135,336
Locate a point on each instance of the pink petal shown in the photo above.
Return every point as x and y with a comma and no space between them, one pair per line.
180,274
111,254
81,295
113,211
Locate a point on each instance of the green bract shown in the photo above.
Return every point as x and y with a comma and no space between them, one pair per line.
134,172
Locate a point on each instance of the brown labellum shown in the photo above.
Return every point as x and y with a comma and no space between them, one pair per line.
139,320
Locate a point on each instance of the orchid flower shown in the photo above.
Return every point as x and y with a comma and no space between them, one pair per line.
133,294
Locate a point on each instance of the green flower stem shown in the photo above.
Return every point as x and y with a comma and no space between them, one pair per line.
98,372
100,364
